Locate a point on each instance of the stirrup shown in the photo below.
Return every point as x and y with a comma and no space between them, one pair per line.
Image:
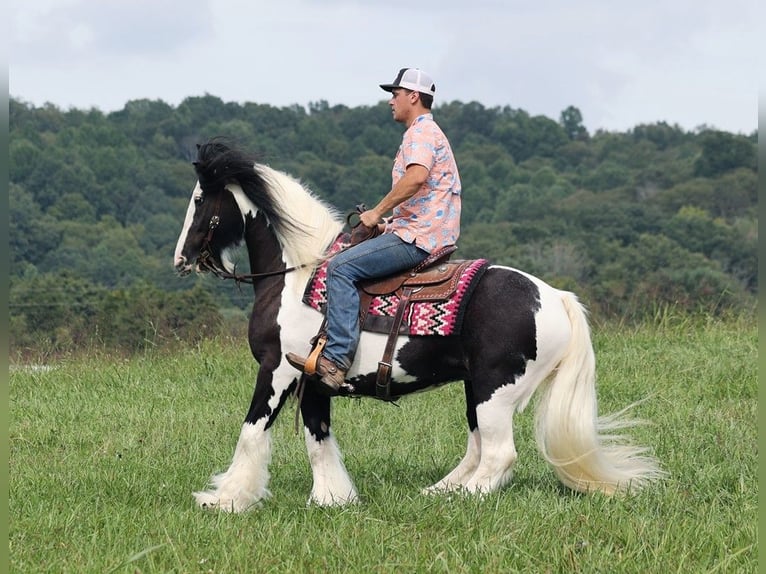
312,361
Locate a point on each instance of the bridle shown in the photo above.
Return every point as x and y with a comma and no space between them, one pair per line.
205,252
204,258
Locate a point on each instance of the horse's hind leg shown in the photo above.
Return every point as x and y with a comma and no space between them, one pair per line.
332,483
498,450
506,387
491,454
494,417
462,473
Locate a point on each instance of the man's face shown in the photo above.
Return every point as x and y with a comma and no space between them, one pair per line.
401,104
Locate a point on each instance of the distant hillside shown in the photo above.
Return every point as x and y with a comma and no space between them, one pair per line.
632,222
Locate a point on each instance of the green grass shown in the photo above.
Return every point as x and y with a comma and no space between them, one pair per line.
105,452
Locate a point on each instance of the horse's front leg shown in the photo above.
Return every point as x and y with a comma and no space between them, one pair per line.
332,483
245,483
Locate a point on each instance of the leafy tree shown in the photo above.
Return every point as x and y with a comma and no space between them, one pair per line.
73,206
590,215
32,233
722,152
735,251
23,156
365,181
52,311
575,155
735,193
657,272
571,120
608,175
662,135
525,137
157,236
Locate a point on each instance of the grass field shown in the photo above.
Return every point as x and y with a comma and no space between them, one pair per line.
105,452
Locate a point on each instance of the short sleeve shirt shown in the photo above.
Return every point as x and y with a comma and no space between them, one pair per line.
431,217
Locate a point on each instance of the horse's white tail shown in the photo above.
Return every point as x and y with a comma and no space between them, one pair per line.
571,435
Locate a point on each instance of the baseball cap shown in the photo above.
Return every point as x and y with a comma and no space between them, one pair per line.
412,79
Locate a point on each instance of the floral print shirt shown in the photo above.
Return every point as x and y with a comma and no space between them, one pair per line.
431,217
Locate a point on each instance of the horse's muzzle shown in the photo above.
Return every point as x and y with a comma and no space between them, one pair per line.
182,267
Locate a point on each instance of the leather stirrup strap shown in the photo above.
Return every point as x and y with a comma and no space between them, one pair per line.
318,342
312,361
364,306
383,380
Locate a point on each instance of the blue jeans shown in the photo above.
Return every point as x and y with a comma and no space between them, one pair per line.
378,257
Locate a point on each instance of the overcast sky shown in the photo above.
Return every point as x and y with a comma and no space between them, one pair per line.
685,62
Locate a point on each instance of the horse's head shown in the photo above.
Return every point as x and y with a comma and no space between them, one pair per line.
214,224
233,193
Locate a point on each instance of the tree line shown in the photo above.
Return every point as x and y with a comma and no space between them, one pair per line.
632,221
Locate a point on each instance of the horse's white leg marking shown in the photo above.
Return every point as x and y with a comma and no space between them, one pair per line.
245,482
462,473
498,451
332,483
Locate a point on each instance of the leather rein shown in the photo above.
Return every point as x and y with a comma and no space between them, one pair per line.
204,257
205,254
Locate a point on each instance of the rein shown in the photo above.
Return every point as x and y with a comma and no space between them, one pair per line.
251,277
204,257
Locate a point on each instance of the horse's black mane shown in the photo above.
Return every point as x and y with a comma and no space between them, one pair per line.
220,163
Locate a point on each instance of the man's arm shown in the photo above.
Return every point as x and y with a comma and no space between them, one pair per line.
414,177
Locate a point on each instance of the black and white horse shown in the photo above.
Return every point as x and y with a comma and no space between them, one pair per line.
517,334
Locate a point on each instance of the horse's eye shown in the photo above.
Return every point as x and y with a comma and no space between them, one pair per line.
198,200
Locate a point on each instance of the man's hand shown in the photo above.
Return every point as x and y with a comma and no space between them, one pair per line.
362,231
370,218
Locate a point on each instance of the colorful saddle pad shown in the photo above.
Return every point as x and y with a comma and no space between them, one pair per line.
443,317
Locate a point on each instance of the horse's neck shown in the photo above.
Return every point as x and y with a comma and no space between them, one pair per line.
263,248
267,255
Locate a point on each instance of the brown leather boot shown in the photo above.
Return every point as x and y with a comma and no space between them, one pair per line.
331,376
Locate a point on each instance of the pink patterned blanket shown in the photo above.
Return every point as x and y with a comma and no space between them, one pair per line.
422,318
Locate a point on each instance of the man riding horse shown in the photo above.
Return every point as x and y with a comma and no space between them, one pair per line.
425,198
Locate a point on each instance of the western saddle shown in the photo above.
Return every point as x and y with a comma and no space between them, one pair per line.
434,279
